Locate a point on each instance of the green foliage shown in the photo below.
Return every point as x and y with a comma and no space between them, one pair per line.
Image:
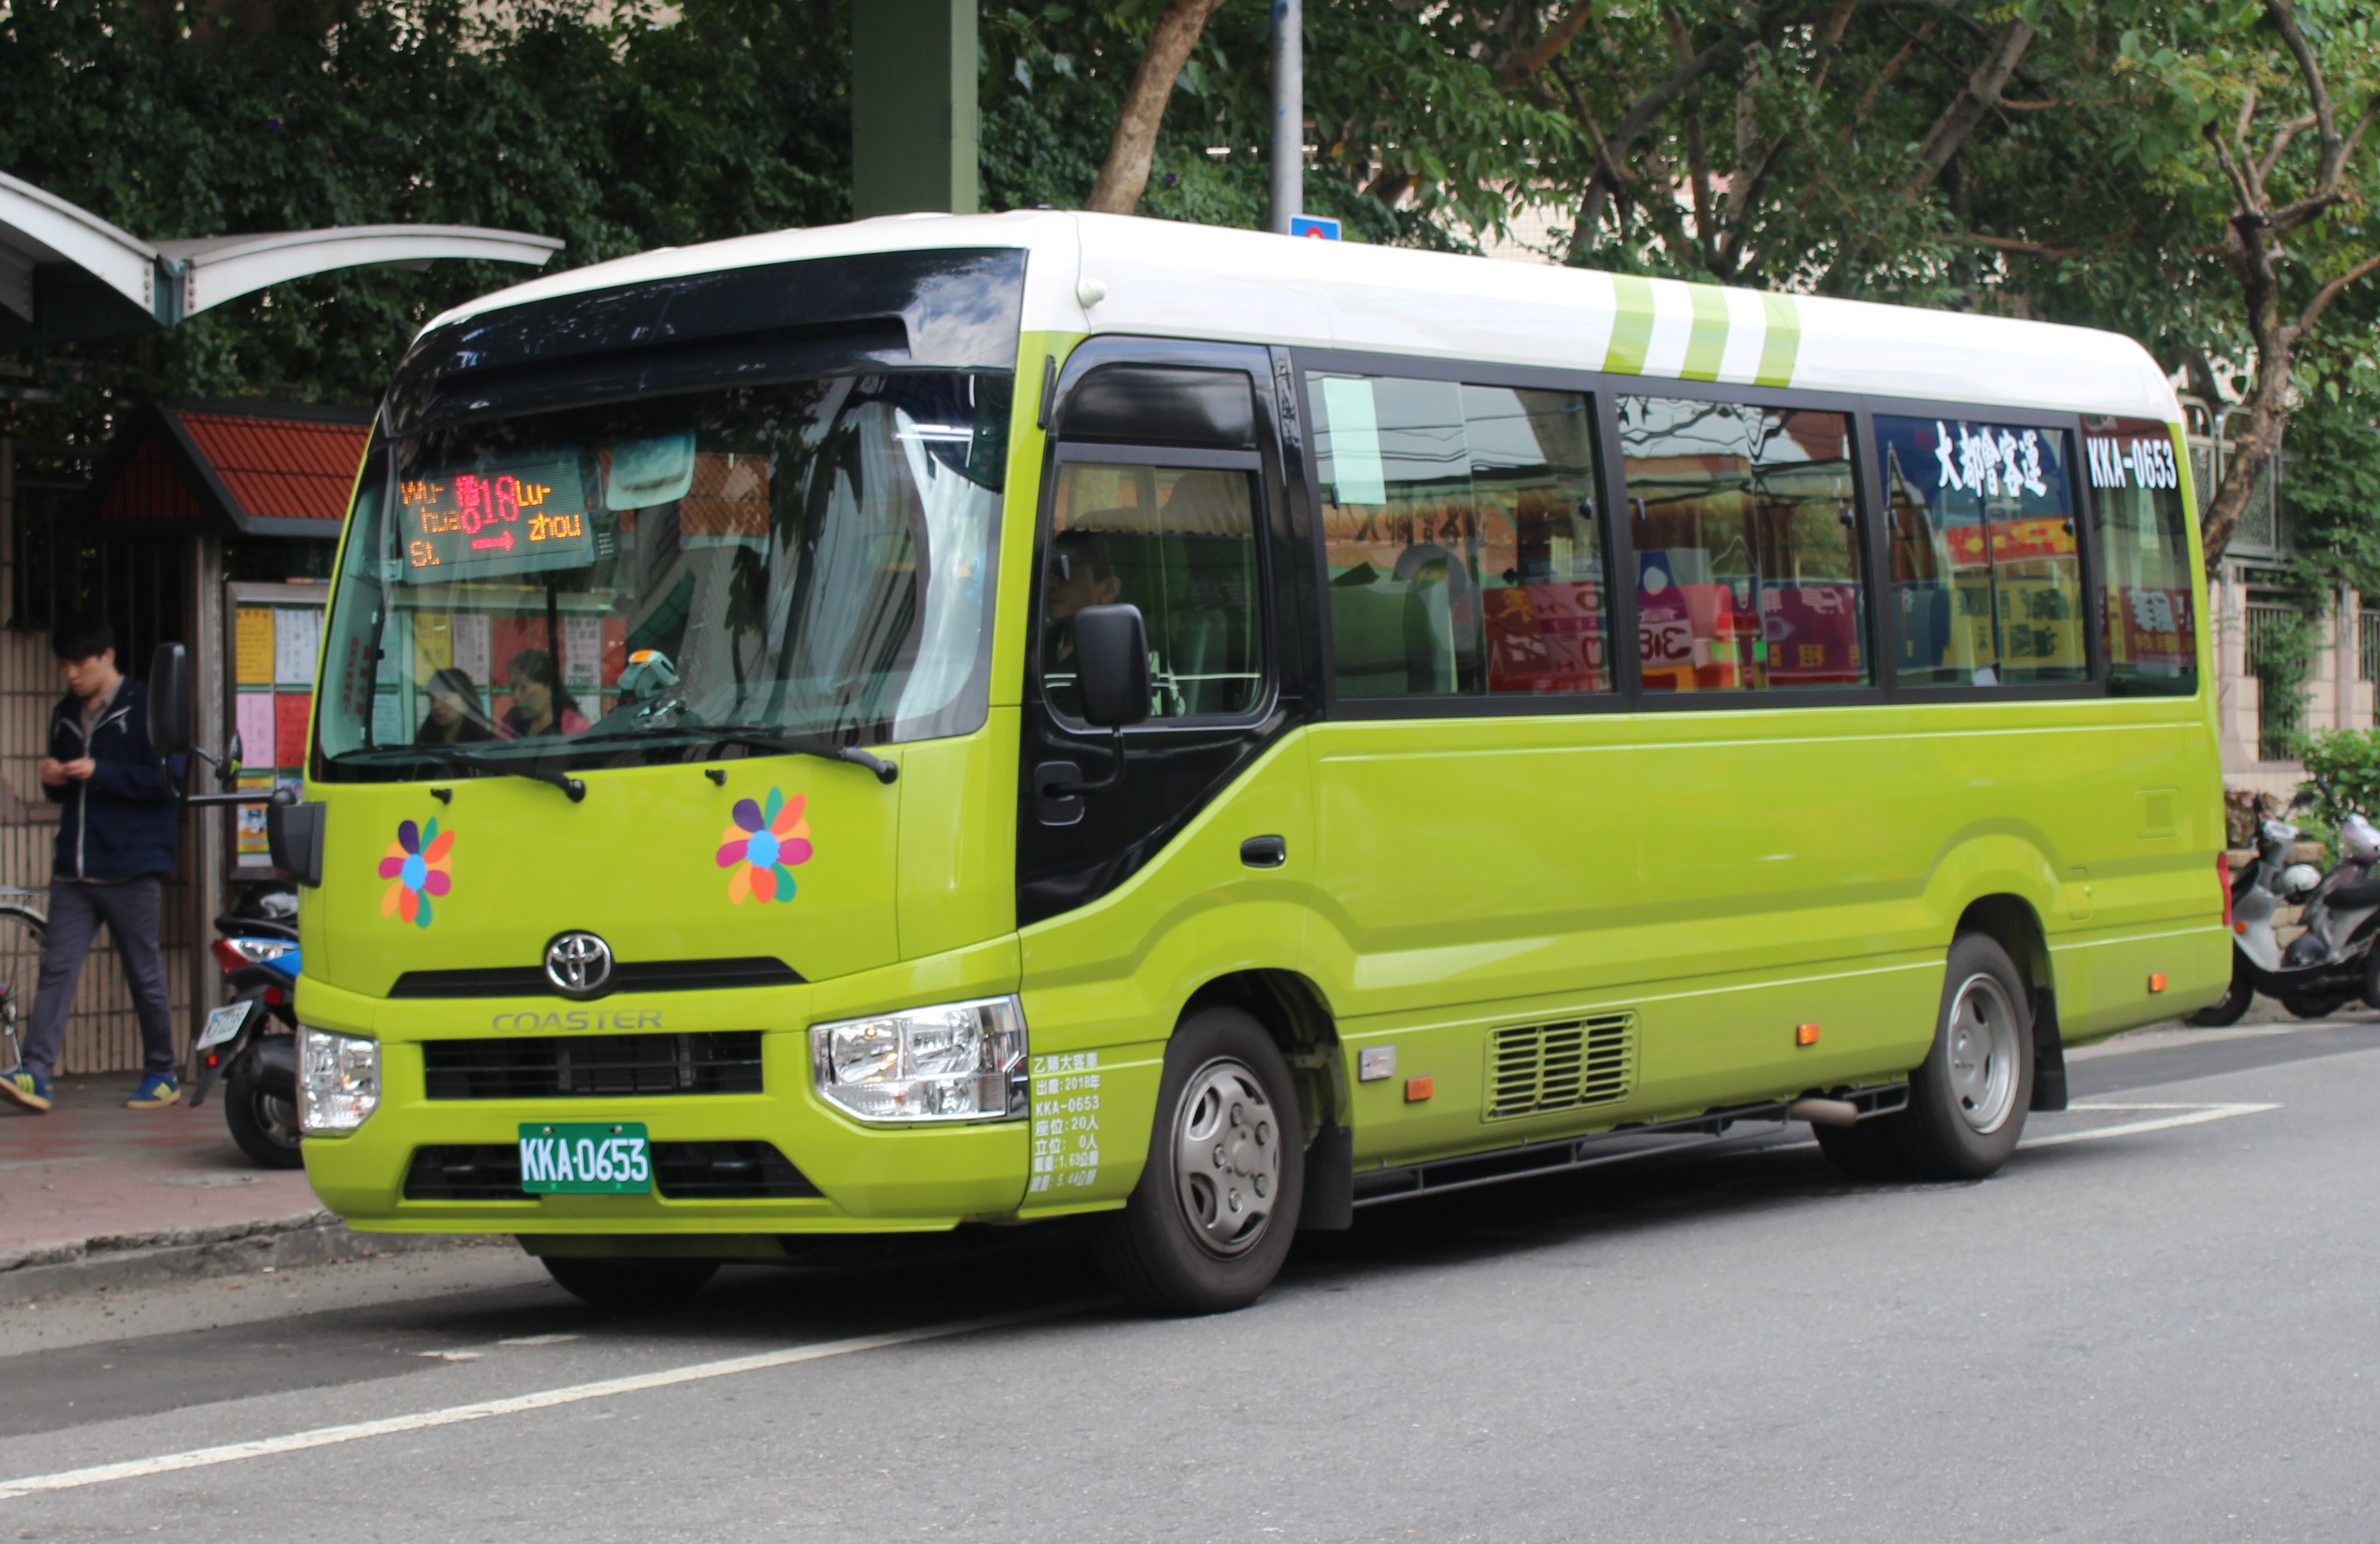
2348,760
615,135
2284,650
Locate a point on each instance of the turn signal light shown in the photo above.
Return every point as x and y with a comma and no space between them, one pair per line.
1805,1034
1419,1089
2156,980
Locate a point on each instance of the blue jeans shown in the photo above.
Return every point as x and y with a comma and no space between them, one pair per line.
130,908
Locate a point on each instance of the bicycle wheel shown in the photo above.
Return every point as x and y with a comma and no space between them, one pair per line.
21,931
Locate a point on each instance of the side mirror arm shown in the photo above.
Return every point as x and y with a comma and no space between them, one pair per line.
1066,786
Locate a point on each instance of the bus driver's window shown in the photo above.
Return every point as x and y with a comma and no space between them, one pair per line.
1178,542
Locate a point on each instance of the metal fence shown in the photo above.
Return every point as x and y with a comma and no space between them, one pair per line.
2367,651
2280,714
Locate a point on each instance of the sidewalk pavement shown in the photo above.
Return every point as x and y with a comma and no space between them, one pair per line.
93,1194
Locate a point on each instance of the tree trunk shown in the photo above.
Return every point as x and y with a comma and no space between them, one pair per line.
1125,174
2265,411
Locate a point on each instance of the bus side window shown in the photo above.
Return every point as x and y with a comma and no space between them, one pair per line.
2147,623
1460,530
1748,571
1178,542
1986,562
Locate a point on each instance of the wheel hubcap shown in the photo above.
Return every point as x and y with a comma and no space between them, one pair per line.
1226,1157
1983,1053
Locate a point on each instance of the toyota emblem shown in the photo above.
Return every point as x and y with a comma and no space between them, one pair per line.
579,964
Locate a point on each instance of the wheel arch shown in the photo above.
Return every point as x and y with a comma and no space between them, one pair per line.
1294,1012
2010,921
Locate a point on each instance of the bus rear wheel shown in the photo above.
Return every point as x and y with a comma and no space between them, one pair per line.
629,1284
1968,1100
1211,1221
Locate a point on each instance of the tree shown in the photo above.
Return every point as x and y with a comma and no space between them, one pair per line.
1125,173
2282,86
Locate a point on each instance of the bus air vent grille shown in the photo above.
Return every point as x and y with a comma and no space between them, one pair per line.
1535,1069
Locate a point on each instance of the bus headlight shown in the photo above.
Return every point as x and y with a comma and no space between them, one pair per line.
338,1081
951,1062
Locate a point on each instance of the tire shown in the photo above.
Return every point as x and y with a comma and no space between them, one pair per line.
21,931
630,1285
1968,1098
1216,1209
263,1120
2313,1007
2231,1008
1866,1151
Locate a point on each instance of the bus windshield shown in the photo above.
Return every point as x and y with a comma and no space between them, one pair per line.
629,581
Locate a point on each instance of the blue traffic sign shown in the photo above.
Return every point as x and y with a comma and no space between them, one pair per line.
1314,227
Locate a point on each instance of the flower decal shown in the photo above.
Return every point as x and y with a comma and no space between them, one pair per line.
763,845
419,863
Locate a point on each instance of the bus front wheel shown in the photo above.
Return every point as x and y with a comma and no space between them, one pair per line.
1216,1209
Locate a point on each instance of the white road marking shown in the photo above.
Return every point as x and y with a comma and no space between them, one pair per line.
539,1340
2186,1114
330,1436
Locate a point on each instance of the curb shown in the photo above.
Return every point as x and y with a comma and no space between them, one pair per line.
114,1260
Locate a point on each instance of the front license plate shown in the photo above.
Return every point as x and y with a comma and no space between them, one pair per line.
224,1022
584,1158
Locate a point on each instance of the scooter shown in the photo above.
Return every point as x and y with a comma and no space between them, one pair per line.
250,1043
2334,961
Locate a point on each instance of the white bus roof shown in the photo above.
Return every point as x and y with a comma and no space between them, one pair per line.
1166,278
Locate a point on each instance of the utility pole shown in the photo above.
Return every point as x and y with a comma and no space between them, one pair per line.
1288,116
913,107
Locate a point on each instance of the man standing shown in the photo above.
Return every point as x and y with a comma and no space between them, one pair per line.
116,846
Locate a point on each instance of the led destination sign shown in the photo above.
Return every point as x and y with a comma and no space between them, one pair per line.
509,518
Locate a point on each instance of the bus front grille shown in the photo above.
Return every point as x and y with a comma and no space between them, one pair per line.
593,1065
681,1171
1536,1069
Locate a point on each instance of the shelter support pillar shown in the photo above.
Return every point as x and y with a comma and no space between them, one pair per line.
913,107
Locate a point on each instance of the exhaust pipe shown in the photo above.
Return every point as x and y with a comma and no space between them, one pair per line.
1824,1111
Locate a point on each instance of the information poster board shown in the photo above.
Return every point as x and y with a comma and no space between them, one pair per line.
276,637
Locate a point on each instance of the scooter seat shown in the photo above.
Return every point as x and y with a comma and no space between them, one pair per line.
2355,897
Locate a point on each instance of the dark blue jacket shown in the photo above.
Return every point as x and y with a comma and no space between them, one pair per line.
121,824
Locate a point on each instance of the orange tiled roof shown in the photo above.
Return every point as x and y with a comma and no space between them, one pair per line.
282,468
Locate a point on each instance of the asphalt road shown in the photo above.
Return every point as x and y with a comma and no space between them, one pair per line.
2161,1333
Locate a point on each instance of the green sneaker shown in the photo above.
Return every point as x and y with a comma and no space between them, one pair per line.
156,1092
27,1089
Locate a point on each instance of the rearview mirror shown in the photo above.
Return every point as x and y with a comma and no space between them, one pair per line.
169,700
2303,799
1112,664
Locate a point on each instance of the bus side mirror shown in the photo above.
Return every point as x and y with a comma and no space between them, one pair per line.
1112,664
169,700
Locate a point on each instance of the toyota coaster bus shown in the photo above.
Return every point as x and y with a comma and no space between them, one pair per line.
979,720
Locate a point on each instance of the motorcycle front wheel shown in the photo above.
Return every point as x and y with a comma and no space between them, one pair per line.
2231,1008
262,1117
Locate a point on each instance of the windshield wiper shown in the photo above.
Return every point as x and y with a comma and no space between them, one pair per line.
534,769
755,738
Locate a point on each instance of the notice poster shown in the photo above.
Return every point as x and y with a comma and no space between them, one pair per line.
388,725
248,835
1545,638
296,636
433,644
252,647
290,712
582,650
2156,635
1812,633
252,719
468,635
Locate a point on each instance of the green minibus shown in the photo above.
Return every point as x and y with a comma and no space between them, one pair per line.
981,720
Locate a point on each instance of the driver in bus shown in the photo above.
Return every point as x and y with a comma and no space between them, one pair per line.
540,705
1080,575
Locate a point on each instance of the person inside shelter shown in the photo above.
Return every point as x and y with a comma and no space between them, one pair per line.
117,835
